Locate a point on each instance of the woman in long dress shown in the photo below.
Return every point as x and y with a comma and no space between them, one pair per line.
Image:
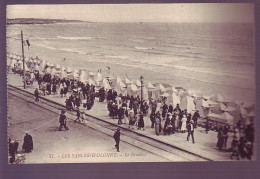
158,123
184,123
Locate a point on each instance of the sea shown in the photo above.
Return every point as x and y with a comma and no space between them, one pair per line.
207,58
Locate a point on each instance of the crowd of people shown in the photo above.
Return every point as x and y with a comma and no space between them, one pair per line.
165,118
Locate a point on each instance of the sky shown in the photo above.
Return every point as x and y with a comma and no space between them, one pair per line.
200,12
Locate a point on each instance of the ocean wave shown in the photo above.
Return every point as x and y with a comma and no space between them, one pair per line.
143,48
73,51
41,38
74,38
151,68
47,46
117,57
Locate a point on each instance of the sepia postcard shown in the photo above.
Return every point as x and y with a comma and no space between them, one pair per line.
102,83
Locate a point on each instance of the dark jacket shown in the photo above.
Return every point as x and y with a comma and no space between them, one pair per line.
117,136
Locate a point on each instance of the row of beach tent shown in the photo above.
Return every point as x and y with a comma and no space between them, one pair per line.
216,107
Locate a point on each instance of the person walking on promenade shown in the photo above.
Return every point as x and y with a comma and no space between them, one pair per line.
36,94
131,119
152,118
78,115
141,121
117,138
158,126
190,129
184,124
220,138
27,143
63,121
207,124
225,132
195,118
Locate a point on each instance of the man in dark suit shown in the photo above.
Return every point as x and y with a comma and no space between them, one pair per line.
117,138
63,121
190,129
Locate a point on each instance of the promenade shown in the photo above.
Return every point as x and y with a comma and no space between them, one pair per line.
205,143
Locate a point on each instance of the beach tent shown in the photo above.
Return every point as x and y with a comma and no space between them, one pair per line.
151,90
206,97
220,98
225,117
225,108
174,90
82,77
48,70
187,103
75,73
54,72
161,88
91,82
57,66
99,77
63,74
138,83
128,81
173,99
118,80
251,114
68,70
106,84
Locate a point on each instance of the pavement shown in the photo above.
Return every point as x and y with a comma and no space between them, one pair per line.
205,143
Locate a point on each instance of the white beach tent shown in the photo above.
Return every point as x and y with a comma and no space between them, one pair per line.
63,74
128,81
99,77
106,84
91,76
138,83
91,82
68,70
173,99
57,66
220,98
187,103
75,74
162,88
82,77
225,108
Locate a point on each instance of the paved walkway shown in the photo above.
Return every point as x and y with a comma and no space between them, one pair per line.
205,144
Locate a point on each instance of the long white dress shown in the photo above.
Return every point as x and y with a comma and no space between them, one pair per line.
183,124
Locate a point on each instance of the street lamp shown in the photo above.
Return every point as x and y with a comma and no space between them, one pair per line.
141,79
